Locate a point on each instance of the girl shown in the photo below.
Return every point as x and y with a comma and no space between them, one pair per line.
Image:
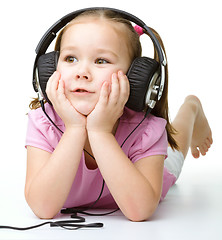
88,93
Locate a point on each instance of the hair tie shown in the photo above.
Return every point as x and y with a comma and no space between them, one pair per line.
139,30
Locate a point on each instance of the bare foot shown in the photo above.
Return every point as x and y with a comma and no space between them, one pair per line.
202,135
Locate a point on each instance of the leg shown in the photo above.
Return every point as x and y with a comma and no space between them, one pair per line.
192,128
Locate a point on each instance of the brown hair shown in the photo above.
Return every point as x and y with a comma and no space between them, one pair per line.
133,42
135,50
161,108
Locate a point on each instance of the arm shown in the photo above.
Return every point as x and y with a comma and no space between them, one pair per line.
136,188
50,176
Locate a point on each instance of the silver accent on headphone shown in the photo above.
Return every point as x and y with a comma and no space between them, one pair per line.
162,75
152,92
39,93
164,62
156,88
162,81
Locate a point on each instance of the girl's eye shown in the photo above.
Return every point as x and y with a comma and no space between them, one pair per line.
101,61
71,59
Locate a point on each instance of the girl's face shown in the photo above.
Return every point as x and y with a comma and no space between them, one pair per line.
91,51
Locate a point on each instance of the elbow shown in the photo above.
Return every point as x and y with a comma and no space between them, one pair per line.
140,213
45,216
140,216
44,213
42,210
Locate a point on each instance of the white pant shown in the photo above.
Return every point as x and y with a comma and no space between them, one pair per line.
174,162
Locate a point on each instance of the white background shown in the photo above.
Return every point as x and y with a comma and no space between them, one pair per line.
192,33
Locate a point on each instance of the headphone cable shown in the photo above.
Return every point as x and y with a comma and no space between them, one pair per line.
72,224
67,224
75,210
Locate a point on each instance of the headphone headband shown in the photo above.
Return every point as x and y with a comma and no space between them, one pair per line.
50,34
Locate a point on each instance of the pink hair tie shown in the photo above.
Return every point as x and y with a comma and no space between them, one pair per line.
139,30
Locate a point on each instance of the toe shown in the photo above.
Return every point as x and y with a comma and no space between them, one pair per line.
210,140
208,143
203,149
195,152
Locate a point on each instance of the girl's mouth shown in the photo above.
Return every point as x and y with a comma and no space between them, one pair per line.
82,91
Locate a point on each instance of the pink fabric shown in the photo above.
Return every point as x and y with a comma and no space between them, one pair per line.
149,139
168,181
139,30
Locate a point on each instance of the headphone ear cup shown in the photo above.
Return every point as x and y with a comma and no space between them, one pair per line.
46,66
140,74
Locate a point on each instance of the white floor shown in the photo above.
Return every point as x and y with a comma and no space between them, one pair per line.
191,210
192,35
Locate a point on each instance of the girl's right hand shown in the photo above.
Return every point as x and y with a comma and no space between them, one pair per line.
63,107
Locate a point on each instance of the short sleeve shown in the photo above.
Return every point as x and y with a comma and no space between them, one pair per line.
153,141
40,132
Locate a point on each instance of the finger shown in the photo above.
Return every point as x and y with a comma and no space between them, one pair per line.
104,94
115,89
55,81
124,87
52,84
61,90
61,86
52,78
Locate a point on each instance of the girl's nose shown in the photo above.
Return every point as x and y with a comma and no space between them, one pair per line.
83,73
78,76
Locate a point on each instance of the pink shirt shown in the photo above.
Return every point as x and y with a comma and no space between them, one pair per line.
149,139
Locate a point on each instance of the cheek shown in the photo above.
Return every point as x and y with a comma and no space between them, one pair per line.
107,77
63,69
59,66
65,74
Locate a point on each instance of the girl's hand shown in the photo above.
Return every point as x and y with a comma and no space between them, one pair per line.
110,105
55,90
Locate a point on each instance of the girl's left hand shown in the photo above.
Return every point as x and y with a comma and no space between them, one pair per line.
109,108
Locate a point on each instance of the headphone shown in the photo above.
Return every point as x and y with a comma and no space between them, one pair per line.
146,75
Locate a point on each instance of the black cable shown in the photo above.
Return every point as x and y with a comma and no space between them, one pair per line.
24,228
74,211
67,224
72,224
146,114
96,214
49,118
43,109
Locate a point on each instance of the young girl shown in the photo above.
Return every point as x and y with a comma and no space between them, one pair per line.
88,93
